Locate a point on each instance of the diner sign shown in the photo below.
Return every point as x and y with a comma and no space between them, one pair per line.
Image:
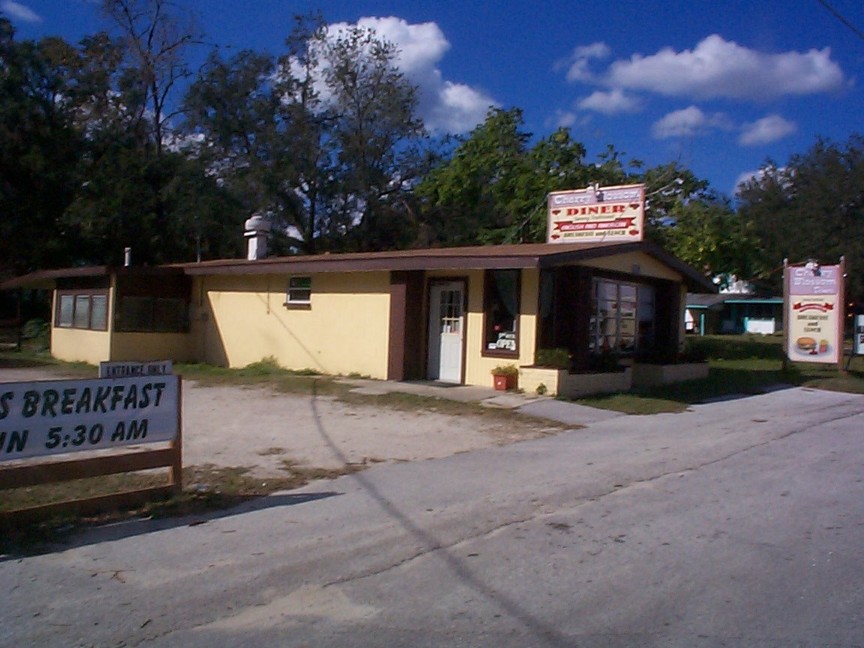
596,214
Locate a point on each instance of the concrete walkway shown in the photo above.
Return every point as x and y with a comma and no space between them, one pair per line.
531,404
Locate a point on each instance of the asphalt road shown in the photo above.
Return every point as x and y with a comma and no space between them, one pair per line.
734,524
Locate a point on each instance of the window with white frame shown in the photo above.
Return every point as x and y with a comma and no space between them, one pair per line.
299,291
82,310
622,318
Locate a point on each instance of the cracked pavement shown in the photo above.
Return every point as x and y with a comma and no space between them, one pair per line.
733,524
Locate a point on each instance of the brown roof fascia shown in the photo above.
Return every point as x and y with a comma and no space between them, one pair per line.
488,257
46,279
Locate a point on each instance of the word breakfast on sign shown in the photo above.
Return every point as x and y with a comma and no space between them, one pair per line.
43,418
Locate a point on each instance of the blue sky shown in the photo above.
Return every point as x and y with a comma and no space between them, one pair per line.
718,86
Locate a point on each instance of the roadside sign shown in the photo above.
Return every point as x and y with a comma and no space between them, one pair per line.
814,313
43,418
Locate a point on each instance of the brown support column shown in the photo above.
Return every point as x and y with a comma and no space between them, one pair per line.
405,352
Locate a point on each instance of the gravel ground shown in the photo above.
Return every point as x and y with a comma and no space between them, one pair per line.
260,429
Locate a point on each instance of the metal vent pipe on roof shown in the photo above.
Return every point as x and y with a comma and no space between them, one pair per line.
257,231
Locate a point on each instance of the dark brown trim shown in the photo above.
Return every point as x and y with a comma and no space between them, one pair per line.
407,333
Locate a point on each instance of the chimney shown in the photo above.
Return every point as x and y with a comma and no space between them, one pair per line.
257,230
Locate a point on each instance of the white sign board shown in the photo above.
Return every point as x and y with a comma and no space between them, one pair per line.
814,313
39,419
129,369
596,214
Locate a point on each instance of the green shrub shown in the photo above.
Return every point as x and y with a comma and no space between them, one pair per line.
506,370
558,358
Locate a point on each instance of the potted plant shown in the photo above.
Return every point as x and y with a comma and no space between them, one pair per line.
505,377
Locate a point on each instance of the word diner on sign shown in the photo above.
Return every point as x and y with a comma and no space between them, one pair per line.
596,214
53,417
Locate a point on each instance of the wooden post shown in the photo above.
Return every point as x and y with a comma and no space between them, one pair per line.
841,316
786,317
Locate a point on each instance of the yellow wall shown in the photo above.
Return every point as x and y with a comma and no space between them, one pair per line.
238,320
637,264
78,345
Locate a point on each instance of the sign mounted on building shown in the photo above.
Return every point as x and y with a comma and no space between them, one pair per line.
596,214
814,312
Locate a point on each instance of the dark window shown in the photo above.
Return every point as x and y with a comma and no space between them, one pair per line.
152,315
82,310
299,291
501,313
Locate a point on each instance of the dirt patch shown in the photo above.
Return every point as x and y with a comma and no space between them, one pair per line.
269,432
263,429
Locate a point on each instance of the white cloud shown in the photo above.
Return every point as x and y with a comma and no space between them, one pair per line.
718,68
610,103
766,130
20,11
689,122
581,58
446,106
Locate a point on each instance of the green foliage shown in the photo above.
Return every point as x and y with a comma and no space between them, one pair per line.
323,140
509,370
493,187
559,358
37,334
737,347
813,207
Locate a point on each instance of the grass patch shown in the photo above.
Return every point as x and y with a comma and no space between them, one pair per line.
739,365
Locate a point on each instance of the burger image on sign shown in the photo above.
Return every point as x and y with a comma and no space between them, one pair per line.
809,345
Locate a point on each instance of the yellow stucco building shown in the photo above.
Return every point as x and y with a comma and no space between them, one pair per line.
450,315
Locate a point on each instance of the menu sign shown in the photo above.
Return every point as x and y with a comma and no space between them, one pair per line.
814,313
597,214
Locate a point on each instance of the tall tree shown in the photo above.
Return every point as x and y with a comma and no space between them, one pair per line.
323,140
39,149
493,187
155,37
711,237
813,207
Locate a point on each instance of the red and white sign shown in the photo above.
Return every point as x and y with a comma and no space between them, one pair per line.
596,214
814,312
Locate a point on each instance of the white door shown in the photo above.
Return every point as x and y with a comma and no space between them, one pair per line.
446,331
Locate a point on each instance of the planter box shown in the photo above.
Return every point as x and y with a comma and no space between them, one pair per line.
504,383
560,382
651,375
